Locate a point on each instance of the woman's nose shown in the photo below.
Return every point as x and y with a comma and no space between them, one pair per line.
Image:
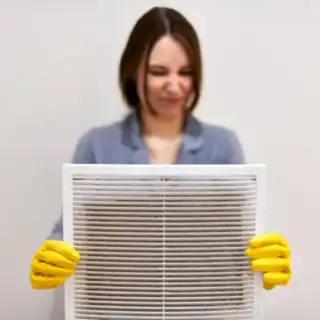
174,85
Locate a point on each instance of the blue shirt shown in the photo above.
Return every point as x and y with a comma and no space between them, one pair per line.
121,143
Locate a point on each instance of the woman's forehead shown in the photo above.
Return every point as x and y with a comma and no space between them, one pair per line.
168,51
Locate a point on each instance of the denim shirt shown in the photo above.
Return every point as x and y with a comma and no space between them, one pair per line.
121,143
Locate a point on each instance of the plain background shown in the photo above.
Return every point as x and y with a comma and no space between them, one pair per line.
58,78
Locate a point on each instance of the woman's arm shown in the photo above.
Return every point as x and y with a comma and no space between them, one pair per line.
233,149
83,154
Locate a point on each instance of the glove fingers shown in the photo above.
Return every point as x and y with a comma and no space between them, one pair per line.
271,265
268,239
56,259
276,278
44,269
268,286
272,251
62,248
41,282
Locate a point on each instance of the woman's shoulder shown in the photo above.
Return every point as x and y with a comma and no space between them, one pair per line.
98,142
102,133
218,133
223,142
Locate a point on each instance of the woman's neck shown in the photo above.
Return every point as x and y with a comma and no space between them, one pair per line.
162,128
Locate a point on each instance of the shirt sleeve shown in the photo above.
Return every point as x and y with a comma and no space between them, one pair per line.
234,150
83,154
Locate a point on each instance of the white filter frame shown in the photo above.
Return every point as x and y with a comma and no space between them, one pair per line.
163,171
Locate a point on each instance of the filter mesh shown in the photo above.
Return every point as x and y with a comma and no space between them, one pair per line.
163,248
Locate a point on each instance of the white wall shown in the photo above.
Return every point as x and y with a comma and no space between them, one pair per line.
58,77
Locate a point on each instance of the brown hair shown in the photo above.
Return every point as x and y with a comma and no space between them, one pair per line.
154,24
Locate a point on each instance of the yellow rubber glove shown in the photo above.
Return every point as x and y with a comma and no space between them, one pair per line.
52,264
270,254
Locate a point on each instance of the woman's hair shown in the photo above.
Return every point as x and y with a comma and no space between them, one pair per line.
154,24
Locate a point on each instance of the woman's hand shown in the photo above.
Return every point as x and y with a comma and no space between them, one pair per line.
52,264
270,254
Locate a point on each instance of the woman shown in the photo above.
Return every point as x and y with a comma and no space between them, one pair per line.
160,78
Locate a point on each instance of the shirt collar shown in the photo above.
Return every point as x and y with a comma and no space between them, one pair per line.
192,138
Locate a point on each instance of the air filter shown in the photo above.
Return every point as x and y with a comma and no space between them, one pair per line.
163,242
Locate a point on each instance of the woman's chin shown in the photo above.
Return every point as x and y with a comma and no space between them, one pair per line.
171,112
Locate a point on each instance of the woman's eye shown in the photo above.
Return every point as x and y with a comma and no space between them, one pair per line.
186,73
161,73
157,73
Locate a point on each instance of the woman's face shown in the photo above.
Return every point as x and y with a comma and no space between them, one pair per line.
168,76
